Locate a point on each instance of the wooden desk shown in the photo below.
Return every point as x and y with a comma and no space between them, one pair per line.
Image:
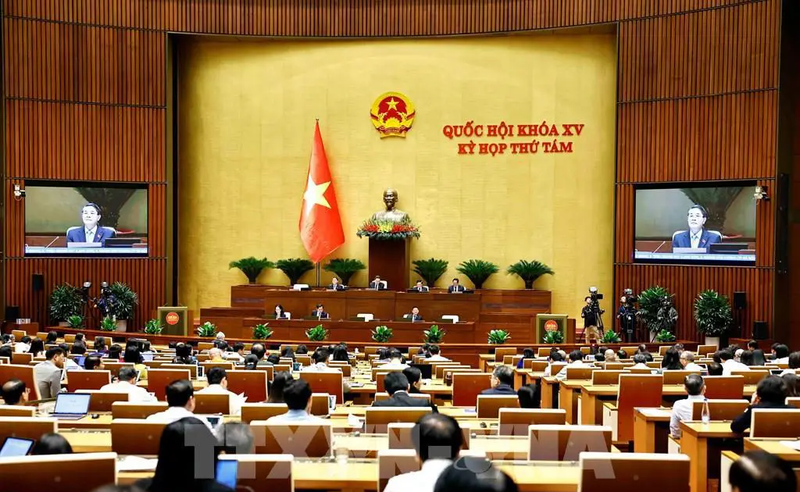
651,428
773,446
695,437
483,359
549,391
568,394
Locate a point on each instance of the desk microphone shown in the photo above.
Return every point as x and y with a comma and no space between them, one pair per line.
659,246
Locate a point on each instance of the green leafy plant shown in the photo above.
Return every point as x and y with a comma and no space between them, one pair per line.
108,324
262,331
433,335
383,229
317,334
553,337
344,268
609,337
124,301
712,312
649,305
251,267
382,334
207,329
153,327
75,321
430,270
477,271
294,268
665,336
499,337
65,301
529,271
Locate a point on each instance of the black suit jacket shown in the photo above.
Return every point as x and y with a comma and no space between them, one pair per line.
742,422
338,287
325,315
455,288
401,399
500,389
380,286
415,317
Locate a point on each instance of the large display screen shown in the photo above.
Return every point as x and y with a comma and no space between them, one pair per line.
696,224
85,220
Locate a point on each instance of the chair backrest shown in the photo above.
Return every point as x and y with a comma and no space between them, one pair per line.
136,436
252,383
378,418
629,351
192,368
319,404
534,365
205,345
606,377
300,439
775,422
636,390
262,411
212,403
269,369
393,462
155,364
515,421
610,472
41,335
69,337
18,334
662,350
136,410
676,377
467,387
706,349
400,434
793,401
21,359
385,396
17,411
101,401
325,382
22,372
489,405
751,377
501,352
114,367
566,442
543,351
724,387
617,366
511,360
26,427
303,359
87,380
159,379
282,368
370,350
580,372
228,366
719,409
78,473
262,472
438,369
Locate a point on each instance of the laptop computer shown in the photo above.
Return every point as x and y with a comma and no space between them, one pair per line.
226,473
16,446
80,360
71,406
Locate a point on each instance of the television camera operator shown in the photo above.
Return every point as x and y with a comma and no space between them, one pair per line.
627,315
592,316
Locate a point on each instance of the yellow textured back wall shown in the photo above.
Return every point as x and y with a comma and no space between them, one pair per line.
246,119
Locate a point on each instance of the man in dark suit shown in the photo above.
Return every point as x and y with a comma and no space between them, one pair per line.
320,313
335,285
502,382
697,236
90,231
397,386
456,288
419,287
377,284
770,393
415,317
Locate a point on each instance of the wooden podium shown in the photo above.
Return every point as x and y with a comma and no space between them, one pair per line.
390,259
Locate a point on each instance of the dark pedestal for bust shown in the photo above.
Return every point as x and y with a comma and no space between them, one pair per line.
390,259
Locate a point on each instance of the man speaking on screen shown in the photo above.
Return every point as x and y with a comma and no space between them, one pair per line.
697,237
91,231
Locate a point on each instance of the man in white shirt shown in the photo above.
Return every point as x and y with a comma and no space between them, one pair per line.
575,360
682,409
238,353
794,364
297,395
640,362
127,384
23,346
47,374
218,384
180,398
437,440
395,361
687,361
729,365
435,356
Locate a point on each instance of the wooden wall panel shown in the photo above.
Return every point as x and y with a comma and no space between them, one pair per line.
84,142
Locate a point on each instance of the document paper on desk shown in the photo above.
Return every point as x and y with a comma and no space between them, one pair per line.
136,463
354,421
792,444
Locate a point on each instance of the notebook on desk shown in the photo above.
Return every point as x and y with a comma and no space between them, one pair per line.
71,406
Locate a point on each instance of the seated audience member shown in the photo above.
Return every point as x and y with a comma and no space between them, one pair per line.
377,284
301,350
319,312
746,358
640,362
792,381
272,359
320,361
672,360
435,355
47,374
335,285
729,365
682,409
528,397
502,382
180,398
687,361
425,350
279,312
759,471
219,340
794,363
297,396
114,352
23,346
383,355
395,361
93,363
215,355
555,356
187,455
77,349
8,339
100,345
415,316
237,355
236,438
648,357
15,392
472,474
397,386
288,353
340,354
7,352
51,444
258,350
610,356
218,385
279,382
437,440
642,348
126,383
575,360
183,354
250,362
455,287
527,353
759,359
621,354
770,393
714,369
69,364
52,337
781,353
133,356
414,377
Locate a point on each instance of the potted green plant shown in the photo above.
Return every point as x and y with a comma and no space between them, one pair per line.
317,334
433,335
75,321
477,271
382,334
123,304
344,268
294,268
207,329
665,336
498,337
553,337
430,270
712,312
108,324
529,271
656,310
609,337
262,331
65,301
251,267
153,327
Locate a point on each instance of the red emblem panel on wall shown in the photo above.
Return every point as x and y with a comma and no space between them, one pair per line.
392,114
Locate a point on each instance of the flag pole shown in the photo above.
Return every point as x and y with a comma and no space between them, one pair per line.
318,274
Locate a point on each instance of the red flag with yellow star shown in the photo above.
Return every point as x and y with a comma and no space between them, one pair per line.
320,222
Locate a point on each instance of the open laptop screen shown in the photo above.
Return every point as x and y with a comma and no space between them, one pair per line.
72,403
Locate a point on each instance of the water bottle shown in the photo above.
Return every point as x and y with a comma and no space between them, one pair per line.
705,416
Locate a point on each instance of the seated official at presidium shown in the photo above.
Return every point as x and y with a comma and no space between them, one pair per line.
90,231
697,236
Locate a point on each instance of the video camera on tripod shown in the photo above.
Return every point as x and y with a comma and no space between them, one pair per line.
627,314
594,307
